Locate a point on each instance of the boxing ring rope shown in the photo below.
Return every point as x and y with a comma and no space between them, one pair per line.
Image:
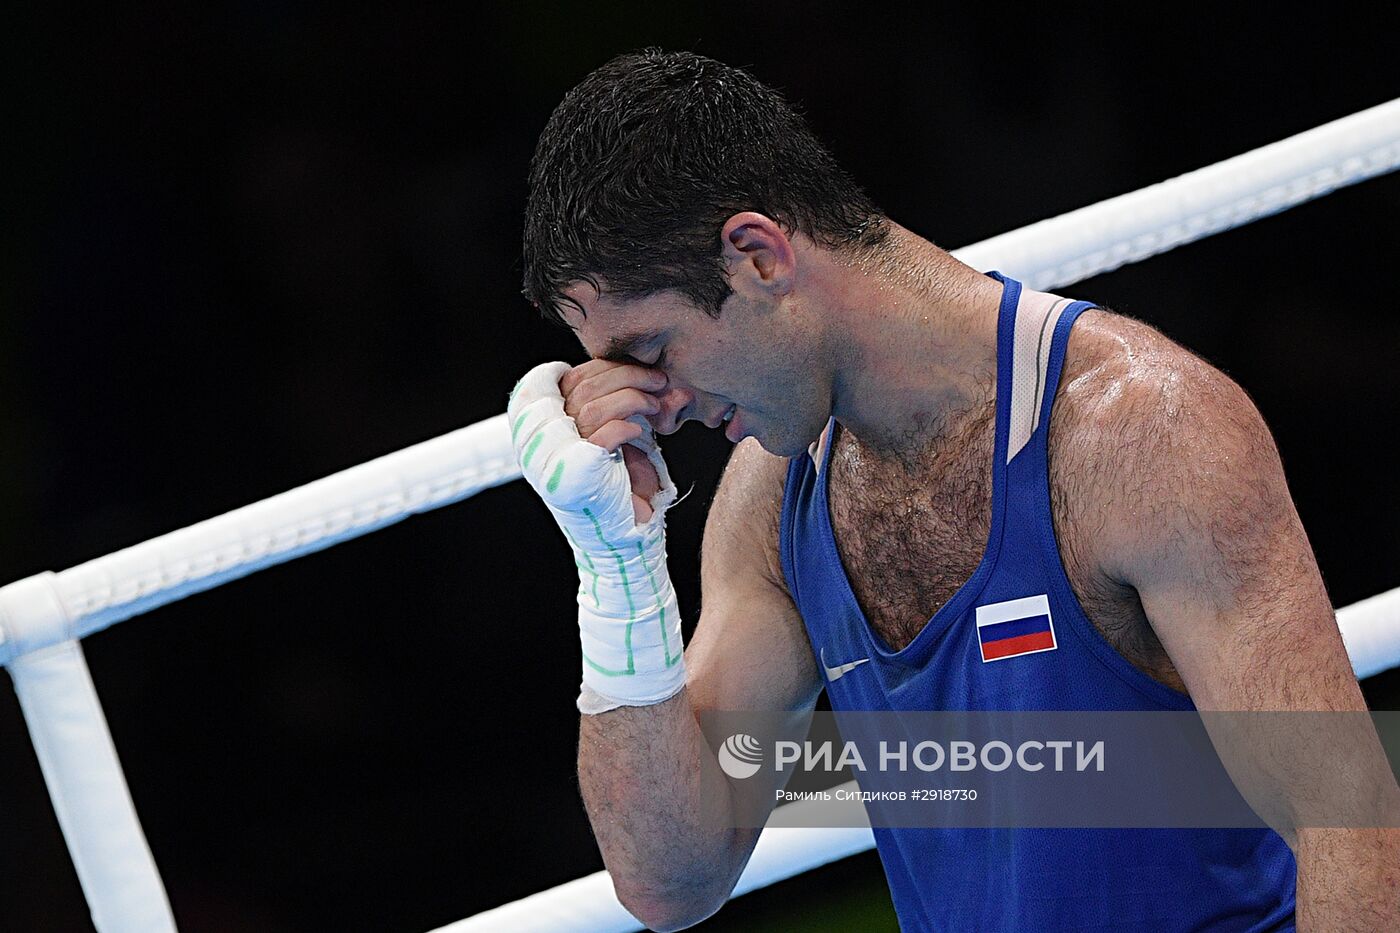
42,617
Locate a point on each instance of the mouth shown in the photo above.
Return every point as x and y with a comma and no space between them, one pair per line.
724,419
733,430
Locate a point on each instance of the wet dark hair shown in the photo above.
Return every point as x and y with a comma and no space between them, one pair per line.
642,163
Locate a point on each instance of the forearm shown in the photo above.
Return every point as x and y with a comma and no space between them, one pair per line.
1348,880
657,800
661,811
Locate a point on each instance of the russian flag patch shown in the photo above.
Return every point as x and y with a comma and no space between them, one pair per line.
1016,627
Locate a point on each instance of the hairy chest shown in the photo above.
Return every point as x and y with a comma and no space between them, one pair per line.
911,535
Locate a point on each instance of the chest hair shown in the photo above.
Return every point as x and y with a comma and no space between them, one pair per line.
910,533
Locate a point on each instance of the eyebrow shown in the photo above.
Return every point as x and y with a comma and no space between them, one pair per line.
620,349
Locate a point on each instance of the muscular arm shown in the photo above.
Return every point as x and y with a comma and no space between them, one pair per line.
659,805
1200,523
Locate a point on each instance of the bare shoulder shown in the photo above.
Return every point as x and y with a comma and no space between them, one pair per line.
1184,495
1123,377
1149,439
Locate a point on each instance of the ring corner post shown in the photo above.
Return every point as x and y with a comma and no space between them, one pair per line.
114,863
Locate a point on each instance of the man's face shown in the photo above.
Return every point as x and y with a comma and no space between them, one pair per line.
752,359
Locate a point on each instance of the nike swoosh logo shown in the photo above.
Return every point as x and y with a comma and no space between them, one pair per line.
841,670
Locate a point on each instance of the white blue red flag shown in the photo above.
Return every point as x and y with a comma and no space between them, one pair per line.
1016,627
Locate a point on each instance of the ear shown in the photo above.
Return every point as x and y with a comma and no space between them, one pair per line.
758,256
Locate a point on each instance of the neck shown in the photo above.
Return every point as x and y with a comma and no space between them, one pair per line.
912,338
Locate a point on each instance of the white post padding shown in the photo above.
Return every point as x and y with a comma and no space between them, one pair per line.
1131,227
84,777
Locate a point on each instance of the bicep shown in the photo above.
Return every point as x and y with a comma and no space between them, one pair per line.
750,649
1211,541
1230,584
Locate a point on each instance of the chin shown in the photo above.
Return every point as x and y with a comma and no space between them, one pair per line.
781,446
789,440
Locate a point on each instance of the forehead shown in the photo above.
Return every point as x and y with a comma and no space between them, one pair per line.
610,327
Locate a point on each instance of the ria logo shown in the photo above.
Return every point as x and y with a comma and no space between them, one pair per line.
740,756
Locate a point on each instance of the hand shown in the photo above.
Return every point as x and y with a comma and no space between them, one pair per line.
629,624
601,397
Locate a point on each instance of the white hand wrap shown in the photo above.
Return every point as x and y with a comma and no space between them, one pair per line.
628,620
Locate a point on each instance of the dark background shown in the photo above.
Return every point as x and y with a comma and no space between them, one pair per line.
250,244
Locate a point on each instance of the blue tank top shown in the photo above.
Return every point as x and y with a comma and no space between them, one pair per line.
1014,637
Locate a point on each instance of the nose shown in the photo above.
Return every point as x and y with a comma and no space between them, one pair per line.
675,405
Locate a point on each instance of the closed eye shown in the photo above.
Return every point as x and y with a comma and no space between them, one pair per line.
654,364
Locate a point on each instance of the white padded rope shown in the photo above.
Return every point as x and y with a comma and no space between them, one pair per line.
50,609
1371,632
447,469
1131,227
589,905
345,505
